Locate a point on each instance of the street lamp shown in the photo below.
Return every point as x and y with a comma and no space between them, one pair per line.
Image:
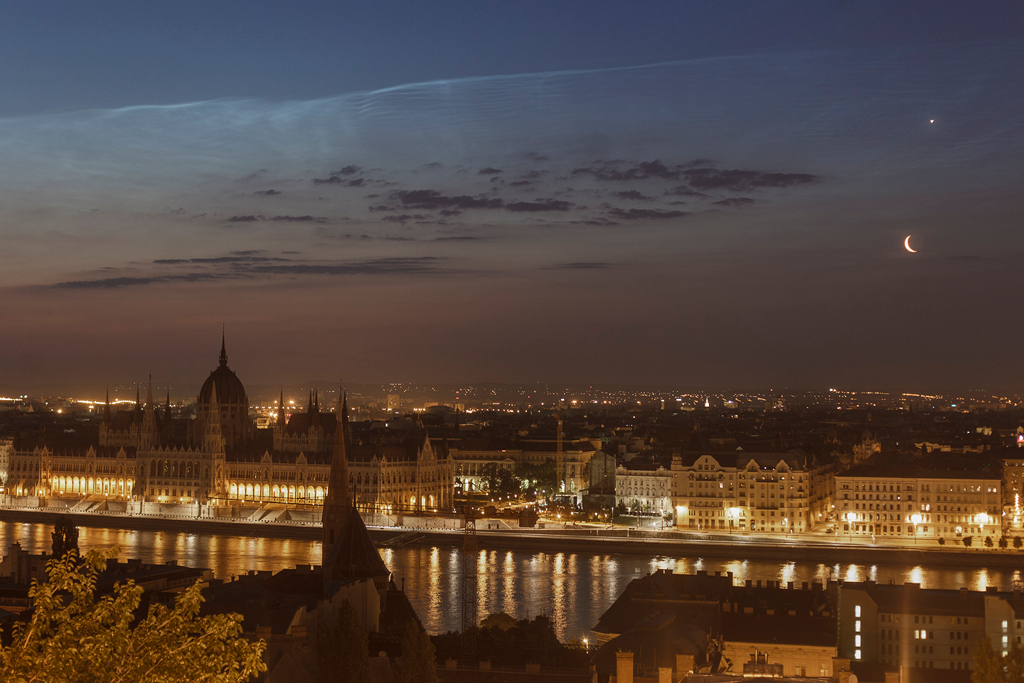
734,514
916,519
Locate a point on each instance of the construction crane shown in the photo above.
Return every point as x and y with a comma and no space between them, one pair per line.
559,458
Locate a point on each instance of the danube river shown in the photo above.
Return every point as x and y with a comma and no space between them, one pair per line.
573,589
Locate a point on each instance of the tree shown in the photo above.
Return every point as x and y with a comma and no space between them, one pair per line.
1017,543
541,477
967,541
1013,664
502,481
942,541
418,661
73,636
988,666
1003,542
65,537
342,653
988,541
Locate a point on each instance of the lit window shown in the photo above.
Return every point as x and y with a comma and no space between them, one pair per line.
856,612
856,640
856,626
856,654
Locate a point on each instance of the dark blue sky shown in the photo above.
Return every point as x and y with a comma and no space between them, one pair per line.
693,194
74,55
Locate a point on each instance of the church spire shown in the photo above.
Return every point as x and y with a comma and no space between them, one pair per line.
149,395
280,410
338,502
348,550
223,349
214,435
106,409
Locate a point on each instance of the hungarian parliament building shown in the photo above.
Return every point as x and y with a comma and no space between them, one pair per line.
219,458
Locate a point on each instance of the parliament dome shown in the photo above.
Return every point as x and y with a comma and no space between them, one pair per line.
230,390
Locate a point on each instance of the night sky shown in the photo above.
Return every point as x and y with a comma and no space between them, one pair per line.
687,194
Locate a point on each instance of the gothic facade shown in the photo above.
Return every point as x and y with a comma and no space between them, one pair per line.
219,458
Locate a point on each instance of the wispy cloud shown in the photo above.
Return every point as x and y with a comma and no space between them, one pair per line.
224,268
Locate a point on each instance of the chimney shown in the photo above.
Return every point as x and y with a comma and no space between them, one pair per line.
684,666
623,667
841,666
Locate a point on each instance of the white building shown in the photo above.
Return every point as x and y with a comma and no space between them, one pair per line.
643,485
740,491
915,502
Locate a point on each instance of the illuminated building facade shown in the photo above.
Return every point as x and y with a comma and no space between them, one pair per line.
911,627
643,485
914,503
760,492
219,458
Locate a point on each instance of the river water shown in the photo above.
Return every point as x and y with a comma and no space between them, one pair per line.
573,589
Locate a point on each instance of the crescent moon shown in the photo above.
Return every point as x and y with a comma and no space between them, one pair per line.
906,243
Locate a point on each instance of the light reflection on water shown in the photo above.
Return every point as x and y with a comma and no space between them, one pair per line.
573,589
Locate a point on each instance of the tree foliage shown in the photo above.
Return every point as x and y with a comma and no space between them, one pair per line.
1017,542
542,478
342,652
991,667
72,635
502,481
418,661
64,537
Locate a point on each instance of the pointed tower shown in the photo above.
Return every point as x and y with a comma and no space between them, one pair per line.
339,501
107,424
279,424
348,551
213,441
148,437
223,350
214,465
314,417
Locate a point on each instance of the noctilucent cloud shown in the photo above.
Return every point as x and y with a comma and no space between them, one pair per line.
717,217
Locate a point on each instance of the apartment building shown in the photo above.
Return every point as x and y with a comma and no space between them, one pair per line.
916,503
910,627
758,492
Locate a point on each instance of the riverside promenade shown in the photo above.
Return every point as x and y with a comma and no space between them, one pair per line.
448,532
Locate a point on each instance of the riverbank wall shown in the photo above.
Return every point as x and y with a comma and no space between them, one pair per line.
610,541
